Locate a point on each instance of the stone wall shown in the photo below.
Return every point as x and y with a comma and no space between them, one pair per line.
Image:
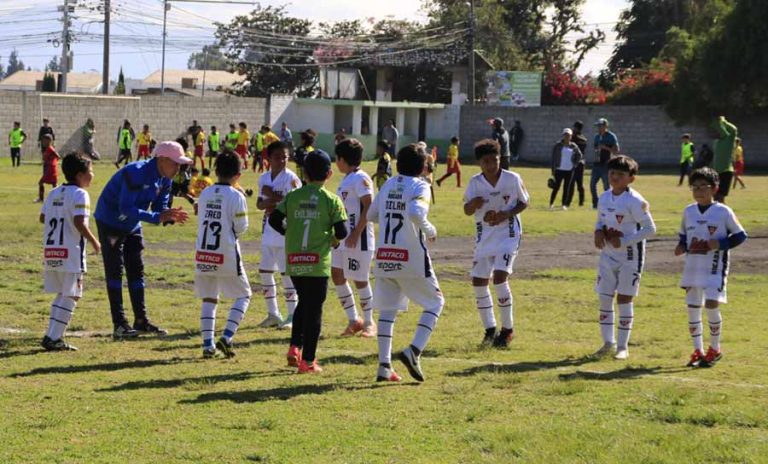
645,132
168,116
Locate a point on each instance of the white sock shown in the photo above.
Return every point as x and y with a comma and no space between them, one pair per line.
626,318
65,309
347,301
54,315
504,298
366,298
291,297
236,315
485,306
715,327
607,317
695,327
424,328
384,336
208,323
269,289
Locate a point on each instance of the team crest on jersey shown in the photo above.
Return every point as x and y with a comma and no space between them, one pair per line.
712,229
506,198
366,183
344,196
619,218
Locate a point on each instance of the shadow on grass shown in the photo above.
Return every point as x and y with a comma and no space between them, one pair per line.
517,368
238,344
347,359
621,374
281,393
191,381
13,354
105,367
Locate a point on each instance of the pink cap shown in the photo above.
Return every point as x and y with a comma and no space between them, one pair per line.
173,151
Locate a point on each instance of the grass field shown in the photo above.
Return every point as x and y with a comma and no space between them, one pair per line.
156,400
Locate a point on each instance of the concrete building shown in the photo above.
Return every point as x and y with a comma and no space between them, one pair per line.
191,81
31,81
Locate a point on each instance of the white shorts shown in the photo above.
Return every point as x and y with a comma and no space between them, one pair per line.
394,294
483,268
210,286
272,258
696,296
355,264
66,283
615,276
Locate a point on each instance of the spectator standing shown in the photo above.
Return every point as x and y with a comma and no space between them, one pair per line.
516,135
687,153
390,134
606,145
45,129
500,135
565,157
577,180
723,160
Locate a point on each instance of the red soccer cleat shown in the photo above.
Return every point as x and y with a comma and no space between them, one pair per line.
294,356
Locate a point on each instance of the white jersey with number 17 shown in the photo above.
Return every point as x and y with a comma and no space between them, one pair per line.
401,209
222,217
64,246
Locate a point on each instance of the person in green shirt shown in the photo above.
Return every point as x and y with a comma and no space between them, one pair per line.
230,141
124,143
687,153
723,161
15,139
214,145
315,220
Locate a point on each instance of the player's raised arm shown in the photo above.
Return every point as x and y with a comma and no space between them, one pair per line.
642,214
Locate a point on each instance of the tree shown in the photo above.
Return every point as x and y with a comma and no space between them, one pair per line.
49,82
53,65
14,63
272,51
214,61
120,87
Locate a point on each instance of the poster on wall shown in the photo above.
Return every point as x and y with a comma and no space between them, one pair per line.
513,88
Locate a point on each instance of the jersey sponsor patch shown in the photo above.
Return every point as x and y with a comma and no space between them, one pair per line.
206,257
303,258
56,253
392,254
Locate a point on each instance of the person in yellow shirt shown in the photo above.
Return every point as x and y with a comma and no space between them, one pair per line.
243,138
738,164
267,138
143,140
199,182
200,147
452,163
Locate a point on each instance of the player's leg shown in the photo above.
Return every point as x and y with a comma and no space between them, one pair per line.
365,294
62,310
240,289
389,300
607,281
594,178
715,319
267,269
316,290
296,346
208,316
40,191
291,300
480,274
567,176
694,299
426,293
344,294
628,287
504,298
357,268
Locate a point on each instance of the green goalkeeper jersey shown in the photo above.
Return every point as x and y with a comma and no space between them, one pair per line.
310,213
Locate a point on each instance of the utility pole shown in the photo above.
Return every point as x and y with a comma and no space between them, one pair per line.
471,81
166,7
205,68
105,65
65,47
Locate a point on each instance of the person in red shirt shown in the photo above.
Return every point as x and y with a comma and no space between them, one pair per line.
50,166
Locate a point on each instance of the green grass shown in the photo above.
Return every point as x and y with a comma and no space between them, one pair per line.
156,400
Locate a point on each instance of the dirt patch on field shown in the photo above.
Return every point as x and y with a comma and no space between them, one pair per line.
577,251
570,251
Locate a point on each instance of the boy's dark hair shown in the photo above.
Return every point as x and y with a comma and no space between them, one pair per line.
276,146
686,136
411,160
454,139
46,120
183,142
213,128
623,163
73,164
708,175
194,170
243,125
383,144
227,165
232,126
351,151
309,136
487,147
206,172
316,165
16,123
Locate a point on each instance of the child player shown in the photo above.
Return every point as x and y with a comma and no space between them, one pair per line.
623,223
273,186
383,165
243,138
222,218
709,230
403,267
214,146
144,140
452,163
65,215
315,219
495,197
200,147
50,166
352,258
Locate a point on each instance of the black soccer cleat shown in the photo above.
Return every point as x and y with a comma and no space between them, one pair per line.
504,338
227,348
57,345
147,327
412,363
123,331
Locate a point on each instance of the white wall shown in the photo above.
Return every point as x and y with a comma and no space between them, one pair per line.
316,116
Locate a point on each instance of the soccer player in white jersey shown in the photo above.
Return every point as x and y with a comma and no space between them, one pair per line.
709,230
352,258
624,222
403,267
65,215
495,197
222,217
273,186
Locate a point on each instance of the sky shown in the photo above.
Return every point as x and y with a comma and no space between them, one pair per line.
31,27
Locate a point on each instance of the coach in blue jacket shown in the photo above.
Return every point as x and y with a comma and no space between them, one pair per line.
139,192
